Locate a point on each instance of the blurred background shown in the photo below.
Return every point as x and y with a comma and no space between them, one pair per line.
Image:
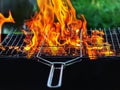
99,13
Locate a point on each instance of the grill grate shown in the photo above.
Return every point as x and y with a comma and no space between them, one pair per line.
112,36
13,44
64,50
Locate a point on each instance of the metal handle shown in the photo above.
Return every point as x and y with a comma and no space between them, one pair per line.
52,75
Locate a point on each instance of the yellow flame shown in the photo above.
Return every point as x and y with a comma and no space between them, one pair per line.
3,20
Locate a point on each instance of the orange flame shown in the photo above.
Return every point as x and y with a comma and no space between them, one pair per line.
56,24
56,27
96,46
3,20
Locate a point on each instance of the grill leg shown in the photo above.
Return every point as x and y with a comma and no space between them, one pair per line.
58,69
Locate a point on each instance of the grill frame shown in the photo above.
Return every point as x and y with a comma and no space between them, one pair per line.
68,60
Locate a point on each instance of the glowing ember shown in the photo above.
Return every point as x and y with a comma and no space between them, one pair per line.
3,20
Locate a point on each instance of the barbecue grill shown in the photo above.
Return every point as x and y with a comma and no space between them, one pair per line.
12,46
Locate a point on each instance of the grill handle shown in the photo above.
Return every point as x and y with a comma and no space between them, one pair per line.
58,69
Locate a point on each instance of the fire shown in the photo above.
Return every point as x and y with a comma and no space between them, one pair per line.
56,26
96,46
3,20
56,31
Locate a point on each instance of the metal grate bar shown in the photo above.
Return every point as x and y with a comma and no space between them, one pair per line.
106,37
81,53
117,38
103,38
111,35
